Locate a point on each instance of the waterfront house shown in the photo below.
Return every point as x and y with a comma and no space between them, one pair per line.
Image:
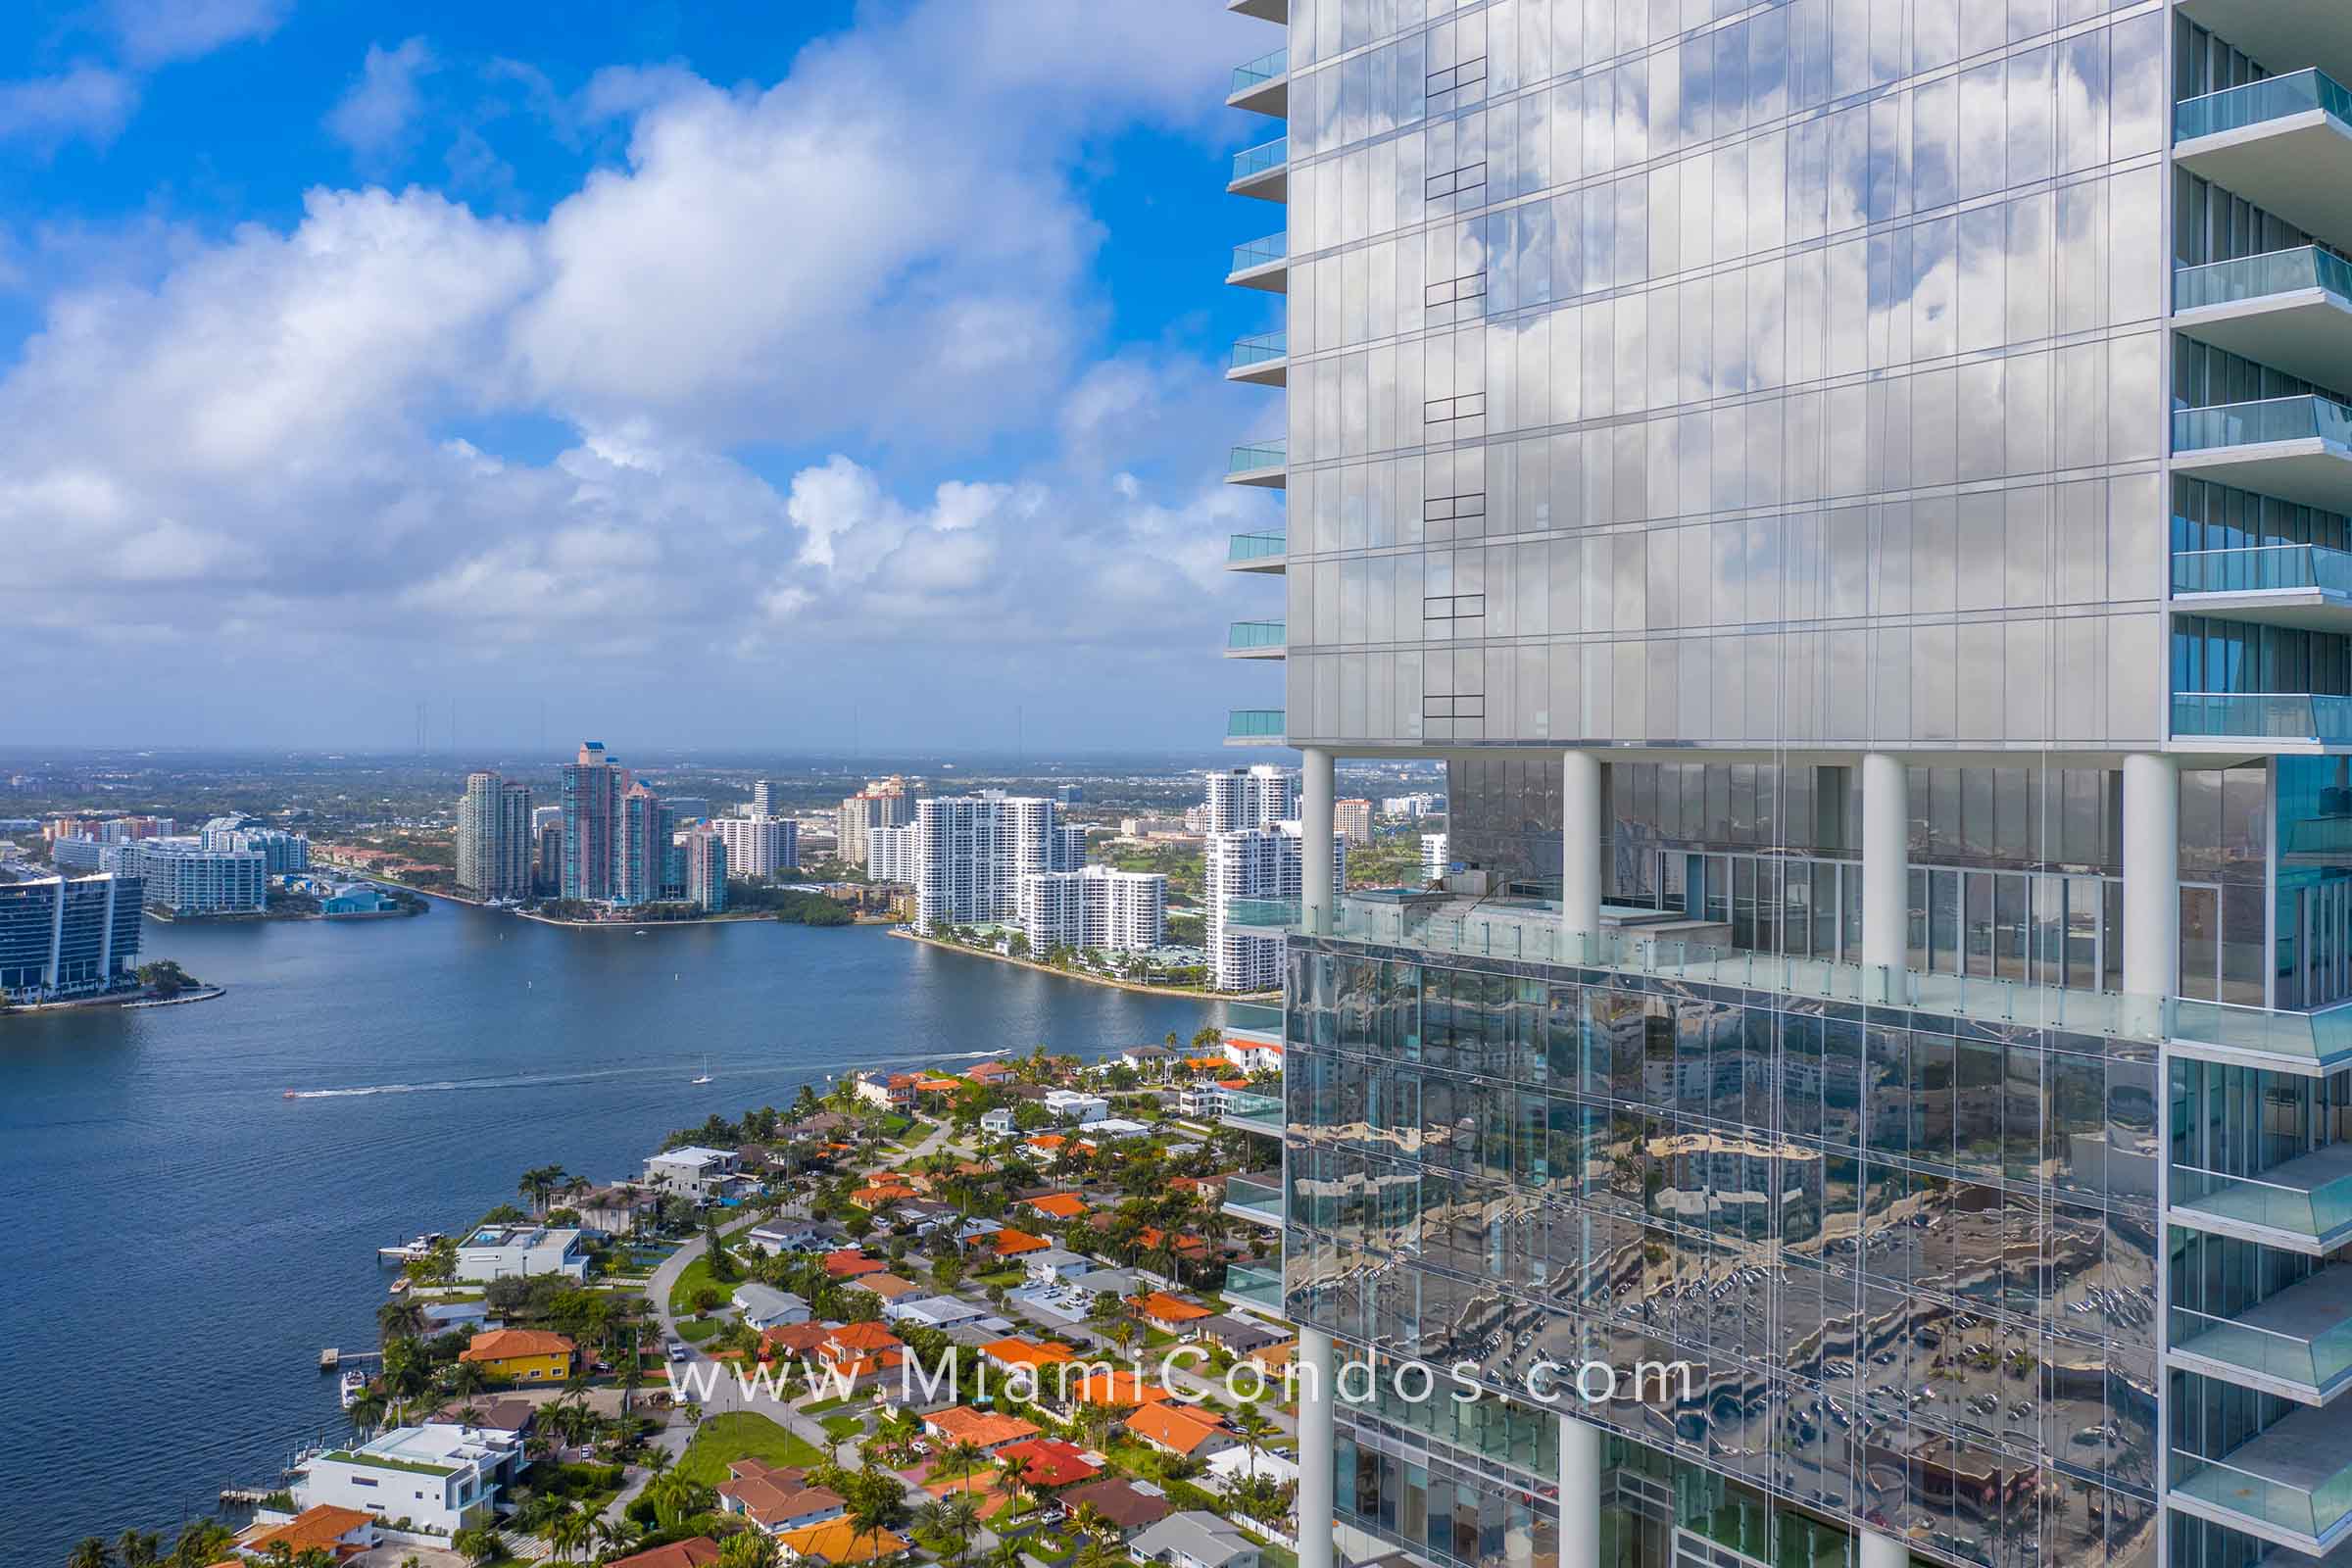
1185,1431
702,1174
1127,1507
886,1091
1194,1539
323,1526
1253,1056
989,1072
765,1308
841,1543
520,1355
518,1251
776,1497
617,1209
517,1416
357,901
446,1318
1149,1060
699,1553
438,1476
986,1429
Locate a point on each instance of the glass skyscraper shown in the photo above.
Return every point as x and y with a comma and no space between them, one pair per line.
1855,491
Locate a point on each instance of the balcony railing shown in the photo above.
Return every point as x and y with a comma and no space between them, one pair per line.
2308,1198
2311,1513
1258,1113
1260,1288
1257,1199
1251,456
2264,715
2315,1363
1261,253
1252,1017
1262,159
1243,547
1247,636
2258,102
1253,724
2246,424
2263,568
2254,277
1259,348
1272,66
1271,915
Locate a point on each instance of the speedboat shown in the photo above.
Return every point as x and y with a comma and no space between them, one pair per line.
355,1383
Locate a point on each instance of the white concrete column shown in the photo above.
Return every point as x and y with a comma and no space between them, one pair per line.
1580,844
2151,875
1317,898
1318,1443
1580,1493
1885,860
1881,1550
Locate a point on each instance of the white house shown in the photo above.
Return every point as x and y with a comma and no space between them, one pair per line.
693,1171
1229,1466
1253,1056
1054,1265
784,1236
931,1312
1194,1539
997,1123
1069,1104
514,1251
764,1308
436,1476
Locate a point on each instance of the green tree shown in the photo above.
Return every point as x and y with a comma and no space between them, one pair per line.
91,1552
537,1183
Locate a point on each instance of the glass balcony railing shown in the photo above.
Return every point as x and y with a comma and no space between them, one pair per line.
1260,1288
1254,455
2254,277
2247,424
1253,724
2263,568
1255,546
1263,914
1271,66
1253,1017
1260,1114
1261,253
2324,1036
2264,716
2311,1512
2272,98
2310,1196
2316,1362
1257,1198
1248,636
1259,348
1265,158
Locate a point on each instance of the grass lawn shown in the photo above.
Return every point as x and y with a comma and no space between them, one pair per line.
844,1425
822,1405
1007,1277
741,1435
694,1330
691,1279
1273,1555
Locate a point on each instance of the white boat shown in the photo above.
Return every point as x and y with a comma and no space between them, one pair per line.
410,1251
355,1383
706,1077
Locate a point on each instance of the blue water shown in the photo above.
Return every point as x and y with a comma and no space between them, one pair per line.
183,1239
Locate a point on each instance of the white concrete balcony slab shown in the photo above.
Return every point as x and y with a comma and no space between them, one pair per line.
2296,1343
1263,358
1264,464
2295,448
2303,1204
1258,552
2290,310
1264,171
2291,1485
1264,85
1256,639
2284,143
2309,586
1262,263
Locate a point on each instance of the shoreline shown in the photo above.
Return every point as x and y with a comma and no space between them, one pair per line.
729,917
128,1000
1181,992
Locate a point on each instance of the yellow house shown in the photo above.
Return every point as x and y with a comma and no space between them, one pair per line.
520,1355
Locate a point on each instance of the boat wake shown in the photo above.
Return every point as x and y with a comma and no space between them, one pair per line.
445,1086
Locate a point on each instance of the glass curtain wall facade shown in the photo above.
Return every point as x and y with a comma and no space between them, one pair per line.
1863,482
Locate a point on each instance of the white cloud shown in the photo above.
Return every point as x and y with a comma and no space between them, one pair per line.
376,112
154,32
87,103
883,255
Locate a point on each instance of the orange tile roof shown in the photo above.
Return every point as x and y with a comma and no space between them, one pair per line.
1012,1243
795,1339
1020,1352
1057,1205
1206,1064
1051,1462
1115,1388
1273,1357
985,1428
1045,1140
498,1344
1182,1428
313,1528
848,1261
865,1336
940,1085
838,1540
888,1287
698,1552
1166,1308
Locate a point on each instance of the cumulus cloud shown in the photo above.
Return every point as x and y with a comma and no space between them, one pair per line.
375,114
278,439
86,102
156,32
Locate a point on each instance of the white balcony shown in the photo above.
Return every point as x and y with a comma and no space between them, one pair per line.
2290,310
1263,358
1264,171
2296,1343
1256,639
2309,586
2291,1485
1262,263
1264,464
1258,552
2284,143
2297,448
1264,85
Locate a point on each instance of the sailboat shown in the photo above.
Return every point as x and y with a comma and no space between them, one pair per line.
706,1077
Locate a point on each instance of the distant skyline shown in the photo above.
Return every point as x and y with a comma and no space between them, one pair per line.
728,366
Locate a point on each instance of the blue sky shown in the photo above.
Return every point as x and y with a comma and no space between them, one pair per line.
694,370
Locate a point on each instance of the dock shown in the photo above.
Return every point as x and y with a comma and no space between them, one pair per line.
330,1357
242,1496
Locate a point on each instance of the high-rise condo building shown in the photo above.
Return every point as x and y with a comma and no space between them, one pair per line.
891,854
1856,493
1434,858
763,798
182,877
883,802
1243,875
705,851
495,841
1244,798
1354,819
68,936
758,845
282,853
642,859
592,791
972,849
1095,906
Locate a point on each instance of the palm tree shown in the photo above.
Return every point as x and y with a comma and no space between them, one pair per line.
137,1550
201,1541
1008,1554
401,1318
479,1544
569,1530
1012,1474
537,1182
1096,1552
1091,1521
1253,1426
92,1552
